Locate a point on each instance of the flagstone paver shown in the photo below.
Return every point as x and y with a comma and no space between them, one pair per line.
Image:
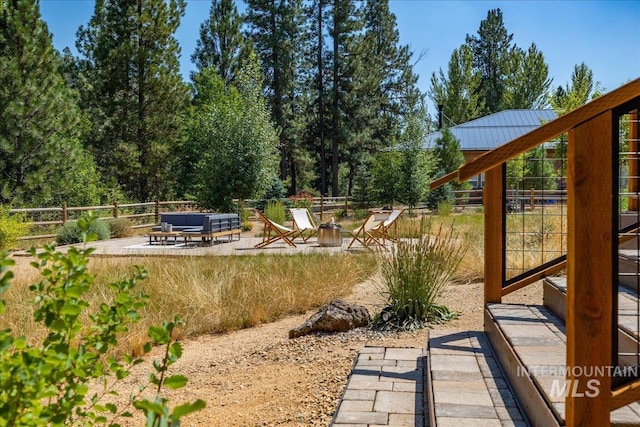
387,386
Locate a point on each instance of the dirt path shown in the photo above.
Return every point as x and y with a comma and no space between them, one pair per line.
259,377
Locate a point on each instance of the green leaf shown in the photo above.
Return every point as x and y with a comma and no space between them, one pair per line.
158,335
187,408
175,381
70,309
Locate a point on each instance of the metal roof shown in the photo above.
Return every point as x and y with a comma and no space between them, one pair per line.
489,132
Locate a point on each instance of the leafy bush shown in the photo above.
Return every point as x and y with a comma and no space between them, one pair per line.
276,212
360,214
120,227
71,233
245,219
11,227
47,383
445,208
414,275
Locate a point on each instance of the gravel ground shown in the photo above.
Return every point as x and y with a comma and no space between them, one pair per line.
259,377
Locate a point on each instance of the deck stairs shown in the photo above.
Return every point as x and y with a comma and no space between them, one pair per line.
529,344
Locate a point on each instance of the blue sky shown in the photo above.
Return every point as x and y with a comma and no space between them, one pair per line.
603,34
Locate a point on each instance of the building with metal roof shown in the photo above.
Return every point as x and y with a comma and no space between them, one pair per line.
486,133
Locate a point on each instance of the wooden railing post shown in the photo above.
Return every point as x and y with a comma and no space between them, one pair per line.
532,199
115,209
65,215
346,205
494,218
321,207
157,211
634,169
590,271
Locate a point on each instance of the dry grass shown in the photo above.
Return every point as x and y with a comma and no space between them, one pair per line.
212,294
469,227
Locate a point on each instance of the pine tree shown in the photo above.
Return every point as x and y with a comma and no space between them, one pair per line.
41,159
346,73
390,85
134,92
275,26
491,49
316,132
221,44
489,73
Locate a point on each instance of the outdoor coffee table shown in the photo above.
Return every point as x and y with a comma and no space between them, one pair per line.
162,237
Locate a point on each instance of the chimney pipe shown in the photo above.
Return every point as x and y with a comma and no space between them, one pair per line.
440,108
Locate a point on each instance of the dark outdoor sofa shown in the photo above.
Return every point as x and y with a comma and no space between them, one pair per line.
206,226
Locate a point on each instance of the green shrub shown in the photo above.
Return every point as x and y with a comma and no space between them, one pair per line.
414,275
360,214
47,383
245,219
11,227
445,208
120,227
71,233
276,212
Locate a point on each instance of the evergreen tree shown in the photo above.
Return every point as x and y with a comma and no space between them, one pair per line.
383,89
581,90
489,74
41,159
491,49
389,86
447,153
346,72
134,93
275,27
221,44
447,157
316,127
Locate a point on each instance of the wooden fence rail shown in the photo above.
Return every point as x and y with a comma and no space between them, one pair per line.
43,220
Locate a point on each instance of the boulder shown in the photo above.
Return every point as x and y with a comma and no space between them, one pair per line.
337,316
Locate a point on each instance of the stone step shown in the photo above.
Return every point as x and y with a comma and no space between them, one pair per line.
629,268
555,295
530,343
385,388
465,385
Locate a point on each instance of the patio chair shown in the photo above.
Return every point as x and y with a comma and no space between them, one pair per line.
302,222
383,231
274,232
366,234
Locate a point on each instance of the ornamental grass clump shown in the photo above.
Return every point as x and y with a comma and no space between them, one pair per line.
414,275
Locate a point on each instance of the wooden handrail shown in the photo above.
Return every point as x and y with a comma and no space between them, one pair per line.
544,133
625,395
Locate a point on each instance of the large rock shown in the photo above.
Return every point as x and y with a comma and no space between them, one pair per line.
337,316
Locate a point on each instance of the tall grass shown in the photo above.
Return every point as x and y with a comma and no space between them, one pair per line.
469,228
212,294
414,275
